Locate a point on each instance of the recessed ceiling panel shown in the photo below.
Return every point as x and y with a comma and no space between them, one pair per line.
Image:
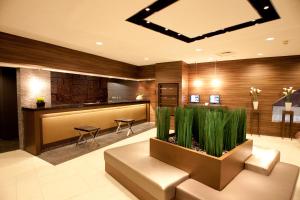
195,17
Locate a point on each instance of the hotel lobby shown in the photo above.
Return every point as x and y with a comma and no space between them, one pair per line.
150,100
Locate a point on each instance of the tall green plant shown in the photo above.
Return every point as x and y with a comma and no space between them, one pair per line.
231,130
242,126
185,122
195,126
179,117
162,123
201,118
214,131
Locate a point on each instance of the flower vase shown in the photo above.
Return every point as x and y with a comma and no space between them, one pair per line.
255,105
288,106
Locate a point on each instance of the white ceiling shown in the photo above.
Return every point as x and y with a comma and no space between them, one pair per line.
79,24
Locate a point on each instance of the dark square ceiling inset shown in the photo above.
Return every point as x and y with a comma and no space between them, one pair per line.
139,18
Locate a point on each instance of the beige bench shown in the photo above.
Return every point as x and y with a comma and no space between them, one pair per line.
146,177
151,179
248,185
262,160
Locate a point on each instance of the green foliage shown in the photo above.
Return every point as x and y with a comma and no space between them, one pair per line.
231,129
162,123
242,126
214,131
215,128
40,99
179,117
201,117
184,126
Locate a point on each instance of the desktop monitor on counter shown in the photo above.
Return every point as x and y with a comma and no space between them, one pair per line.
214,99
195,98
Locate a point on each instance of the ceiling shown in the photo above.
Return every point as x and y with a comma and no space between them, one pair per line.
79,24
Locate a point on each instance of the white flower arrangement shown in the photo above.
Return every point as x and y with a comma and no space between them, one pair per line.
255,93
287,93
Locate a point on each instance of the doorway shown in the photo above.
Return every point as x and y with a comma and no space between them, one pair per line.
9,131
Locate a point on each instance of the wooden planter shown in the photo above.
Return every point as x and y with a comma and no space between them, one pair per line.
215,172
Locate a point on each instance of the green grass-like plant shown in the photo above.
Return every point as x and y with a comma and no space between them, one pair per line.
214,131
162,123
230,130
215,128
184,126
179,117
242,126
201,118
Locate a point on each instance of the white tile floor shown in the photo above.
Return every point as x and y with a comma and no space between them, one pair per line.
23,176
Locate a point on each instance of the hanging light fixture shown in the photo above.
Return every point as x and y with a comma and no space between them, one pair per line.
197,81
215,81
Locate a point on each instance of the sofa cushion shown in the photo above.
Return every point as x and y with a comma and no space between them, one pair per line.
248,185
155,177
262,160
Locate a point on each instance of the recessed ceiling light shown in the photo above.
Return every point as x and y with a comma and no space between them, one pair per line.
259,54
147,9
166,29
179,34
148,22
198,49
266,7
146,58
99,43
270,39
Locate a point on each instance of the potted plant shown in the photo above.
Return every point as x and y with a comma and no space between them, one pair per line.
40,102
287,92
213,158
255,93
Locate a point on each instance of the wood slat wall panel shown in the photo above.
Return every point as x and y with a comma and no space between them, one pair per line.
146,72
20,50
268,74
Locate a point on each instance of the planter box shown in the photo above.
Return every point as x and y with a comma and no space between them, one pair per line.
215,172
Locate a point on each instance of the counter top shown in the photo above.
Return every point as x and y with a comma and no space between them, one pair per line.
63,106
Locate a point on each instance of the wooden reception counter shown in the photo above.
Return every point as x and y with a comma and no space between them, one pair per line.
49,126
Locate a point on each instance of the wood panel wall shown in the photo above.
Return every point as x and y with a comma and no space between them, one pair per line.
268,74
169,72
146,72
20,50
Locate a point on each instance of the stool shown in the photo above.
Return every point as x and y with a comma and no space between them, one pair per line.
84,130
291,114
129,123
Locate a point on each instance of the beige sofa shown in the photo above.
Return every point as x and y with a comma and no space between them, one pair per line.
151,179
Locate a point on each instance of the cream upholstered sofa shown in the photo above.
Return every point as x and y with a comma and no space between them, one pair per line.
151,179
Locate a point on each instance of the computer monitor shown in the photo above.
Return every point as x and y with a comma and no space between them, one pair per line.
195,98
214,99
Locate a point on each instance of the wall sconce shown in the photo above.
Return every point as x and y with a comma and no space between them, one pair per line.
215,83
197,83
35,87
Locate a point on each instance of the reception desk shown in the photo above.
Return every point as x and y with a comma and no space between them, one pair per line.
50,126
